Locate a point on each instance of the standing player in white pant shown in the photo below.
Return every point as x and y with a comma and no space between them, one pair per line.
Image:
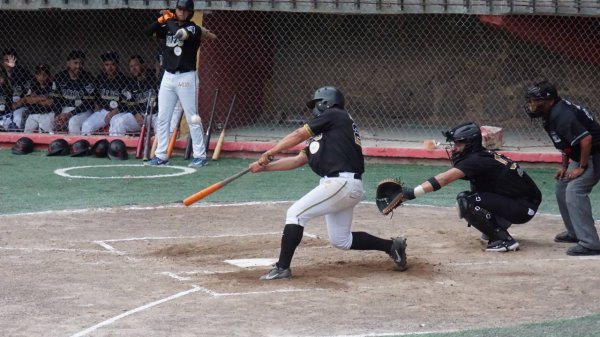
180,80
334,152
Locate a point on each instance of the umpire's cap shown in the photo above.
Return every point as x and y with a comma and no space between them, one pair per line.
59,147
80,148
100,148
23,146
117,150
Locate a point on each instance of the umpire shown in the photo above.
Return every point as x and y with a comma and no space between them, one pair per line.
576,134
334,153
501,193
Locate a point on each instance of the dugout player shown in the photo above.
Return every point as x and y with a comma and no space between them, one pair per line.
334,153
111,84
180,80
76,94
501,193
140,87
573,131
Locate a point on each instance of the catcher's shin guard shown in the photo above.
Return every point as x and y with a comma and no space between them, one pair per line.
478,217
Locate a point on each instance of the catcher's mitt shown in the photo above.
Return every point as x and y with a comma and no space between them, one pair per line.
390,194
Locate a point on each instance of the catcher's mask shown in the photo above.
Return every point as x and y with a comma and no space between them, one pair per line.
186,5
325,98
537,98
463,139
117,150
100,148
80,148
24,145
59,147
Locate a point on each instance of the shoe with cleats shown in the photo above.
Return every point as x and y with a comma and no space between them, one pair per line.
277,273
398,253
503,246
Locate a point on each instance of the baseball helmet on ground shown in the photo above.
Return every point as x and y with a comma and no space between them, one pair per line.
59,147
100,148
325,98
23,146
80,148
117,150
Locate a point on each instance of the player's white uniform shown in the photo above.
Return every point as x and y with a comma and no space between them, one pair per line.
179,83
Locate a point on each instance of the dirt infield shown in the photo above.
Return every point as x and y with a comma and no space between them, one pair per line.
162,272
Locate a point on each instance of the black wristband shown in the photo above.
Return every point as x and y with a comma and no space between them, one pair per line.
583,166
409,193
436,184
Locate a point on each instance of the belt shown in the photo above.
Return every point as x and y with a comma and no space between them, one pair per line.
356,176
180,72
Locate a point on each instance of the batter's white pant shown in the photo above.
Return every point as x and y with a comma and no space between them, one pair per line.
45,122
182,87
76,122
335,198
95,122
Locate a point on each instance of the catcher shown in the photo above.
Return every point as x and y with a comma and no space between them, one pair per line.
501,193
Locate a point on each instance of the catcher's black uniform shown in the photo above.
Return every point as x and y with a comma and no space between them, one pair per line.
503,187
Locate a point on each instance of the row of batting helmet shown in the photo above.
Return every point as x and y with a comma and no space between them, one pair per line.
115,150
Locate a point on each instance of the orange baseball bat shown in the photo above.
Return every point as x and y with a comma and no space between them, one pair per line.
174,137
212,188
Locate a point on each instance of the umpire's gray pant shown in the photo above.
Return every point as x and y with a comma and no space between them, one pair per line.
575,205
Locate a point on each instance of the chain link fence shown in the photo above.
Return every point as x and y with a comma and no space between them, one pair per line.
406,76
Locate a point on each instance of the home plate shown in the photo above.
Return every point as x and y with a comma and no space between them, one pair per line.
245,263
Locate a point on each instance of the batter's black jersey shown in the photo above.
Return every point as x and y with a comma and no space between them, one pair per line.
178,55
111,91
489,171
567,123
335,145
137,93
48,91
79,93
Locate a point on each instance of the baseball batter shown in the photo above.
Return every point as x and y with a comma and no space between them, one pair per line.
334,153
180,80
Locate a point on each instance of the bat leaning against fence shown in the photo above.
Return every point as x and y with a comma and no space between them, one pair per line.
217,151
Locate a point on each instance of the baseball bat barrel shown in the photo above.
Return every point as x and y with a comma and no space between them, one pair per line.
174,137
210,121
217,151
154,145
148,137
140,144
212,188
188,148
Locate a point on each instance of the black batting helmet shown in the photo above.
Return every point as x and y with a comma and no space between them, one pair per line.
185,4
325,98
59,147
117,150
24,145
100,148
80,148
468,134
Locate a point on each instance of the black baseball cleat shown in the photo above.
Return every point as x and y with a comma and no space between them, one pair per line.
398,253
503,246
565,237
580,250
277,273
